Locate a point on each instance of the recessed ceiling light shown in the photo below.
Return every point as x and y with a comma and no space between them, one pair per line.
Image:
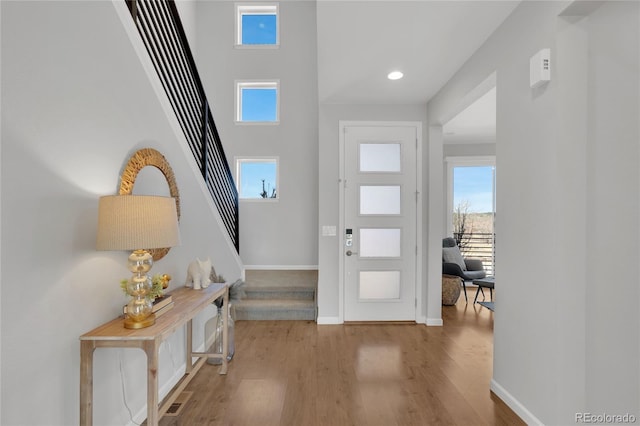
395,75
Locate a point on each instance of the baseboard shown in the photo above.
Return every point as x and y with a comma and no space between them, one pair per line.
329,321
337,320
281,267
435,322
514,404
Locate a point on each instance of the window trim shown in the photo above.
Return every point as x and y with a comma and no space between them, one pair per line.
265,84
238,160
256,9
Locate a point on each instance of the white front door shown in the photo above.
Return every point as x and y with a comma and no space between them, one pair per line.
380,210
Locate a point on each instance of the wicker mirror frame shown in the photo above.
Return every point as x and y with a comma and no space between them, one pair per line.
143,158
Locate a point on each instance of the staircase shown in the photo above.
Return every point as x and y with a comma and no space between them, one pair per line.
278,295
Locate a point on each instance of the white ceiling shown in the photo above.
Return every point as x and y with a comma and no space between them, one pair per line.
361,41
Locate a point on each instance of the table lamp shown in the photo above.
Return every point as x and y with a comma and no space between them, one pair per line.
138,223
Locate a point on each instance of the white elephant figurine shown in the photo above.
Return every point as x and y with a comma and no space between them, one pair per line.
198,274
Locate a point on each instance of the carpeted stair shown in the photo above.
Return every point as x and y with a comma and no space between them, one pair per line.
278,295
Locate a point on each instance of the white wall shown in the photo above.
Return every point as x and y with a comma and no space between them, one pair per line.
76,103
283,233
329,169
566,327
612,208
469,149
188,16
0,214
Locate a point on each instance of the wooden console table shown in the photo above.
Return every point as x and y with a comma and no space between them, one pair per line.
187,304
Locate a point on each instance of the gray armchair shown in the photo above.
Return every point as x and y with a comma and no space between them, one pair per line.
454,264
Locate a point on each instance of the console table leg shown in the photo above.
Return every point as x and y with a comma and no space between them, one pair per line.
189,351
86,382
151,349
225,333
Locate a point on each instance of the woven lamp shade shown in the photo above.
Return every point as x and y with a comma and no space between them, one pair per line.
134,222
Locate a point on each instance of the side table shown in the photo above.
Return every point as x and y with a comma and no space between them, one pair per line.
487,282
187,304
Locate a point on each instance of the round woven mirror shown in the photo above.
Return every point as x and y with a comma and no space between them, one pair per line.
143,158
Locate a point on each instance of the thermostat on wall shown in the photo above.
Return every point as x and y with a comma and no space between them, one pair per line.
540,68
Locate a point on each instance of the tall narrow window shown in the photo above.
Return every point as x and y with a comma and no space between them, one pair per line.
257,102
472,208
257,178
257,25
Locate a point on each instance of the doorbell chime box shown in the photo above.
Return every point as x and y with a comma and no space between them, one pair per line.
540,68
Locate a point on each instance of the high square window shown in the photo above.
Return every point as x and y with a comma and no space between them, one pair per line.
257,25
257,178
257,102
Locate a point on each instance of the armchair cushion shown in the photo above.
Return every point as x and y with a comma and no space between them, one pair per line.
473,275
453,255
474,264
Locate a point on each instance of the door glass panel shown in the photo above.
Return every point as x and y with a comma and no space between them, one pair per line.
379,157
380,199
376,285
380,242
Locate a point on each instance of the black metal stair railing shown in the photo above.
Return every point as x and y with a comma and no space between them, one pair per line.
160,27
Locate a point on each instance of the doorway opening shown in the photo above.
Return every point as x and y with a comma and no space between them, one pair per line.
469,147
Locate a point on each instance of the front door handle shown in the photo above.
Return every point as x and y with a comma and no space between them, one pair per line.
349,252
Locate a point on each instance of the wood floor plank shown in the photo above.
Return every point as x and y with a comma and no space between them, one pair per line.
257,401
301,374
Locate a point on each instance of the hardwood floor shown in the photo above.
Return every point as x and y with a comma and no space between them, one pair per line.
303,374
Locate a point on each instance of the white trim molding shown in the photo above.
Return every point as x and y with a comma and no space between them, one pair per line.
329,321
434,322
514,404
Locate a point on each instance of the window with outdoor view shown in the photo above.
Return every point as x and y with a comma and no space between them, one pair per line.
257,25
257,102
257,178
473,209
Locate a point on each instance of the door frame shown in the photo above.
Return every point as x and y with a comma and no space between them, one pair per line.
342,125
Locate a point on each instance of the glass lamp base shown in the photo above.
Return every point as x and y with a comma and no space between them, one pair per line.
133,324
